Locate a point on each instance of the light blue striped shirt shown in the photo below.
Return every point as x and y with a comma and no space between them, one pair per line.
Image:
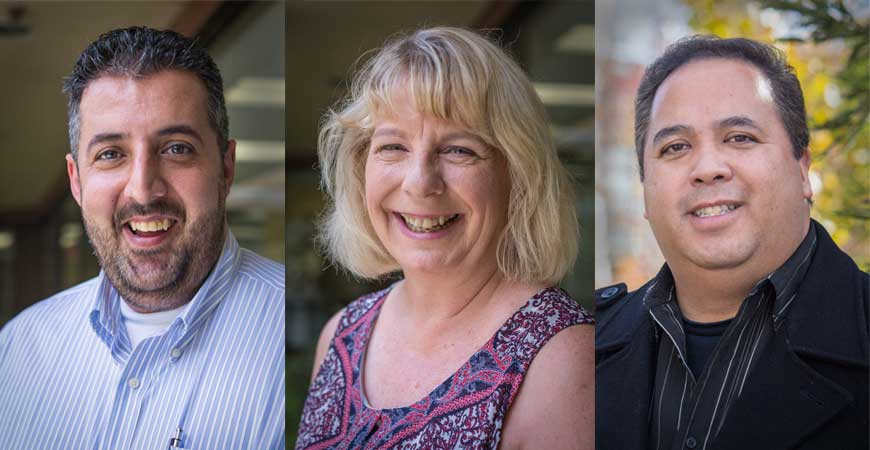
70,380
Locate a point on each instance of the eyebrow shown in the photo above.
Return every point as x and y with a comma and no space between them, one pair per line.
462,135
180,129
388,131
391,131
667,132
738,121
105,137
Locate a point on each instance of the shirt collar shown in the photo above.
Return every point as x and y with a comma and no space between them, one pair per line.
786,279
662,290
105,316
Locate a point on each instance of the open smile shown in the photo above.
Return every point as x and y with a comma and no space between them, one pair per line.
715,210
714,216
148,231
428,223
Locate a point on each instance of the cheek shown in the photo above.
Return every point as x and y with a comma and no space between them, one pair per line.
651,201
198,191
483,191
376,187
99,194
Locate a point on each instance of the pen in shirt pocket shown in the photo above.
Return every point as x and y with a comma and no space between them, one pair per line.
175,441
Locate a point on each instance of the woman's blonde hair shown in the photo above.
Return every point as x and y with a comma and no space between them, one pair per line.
459,76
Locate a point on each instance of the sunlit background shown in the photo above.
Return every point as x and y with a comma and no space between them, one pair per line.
554,43
43,247
826,43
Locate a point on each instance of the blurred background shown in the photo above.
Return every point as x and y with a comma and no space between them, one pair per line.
554,43
826,42
43,247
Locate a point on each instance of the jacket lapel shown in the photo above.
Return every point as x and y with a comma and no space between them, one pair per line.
784,399
624,389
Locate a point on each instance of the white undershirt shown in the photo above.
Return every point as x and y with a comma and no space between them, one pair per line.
141,326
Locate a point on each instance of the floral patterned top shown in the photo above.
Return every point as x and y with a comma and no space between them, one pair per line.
466,411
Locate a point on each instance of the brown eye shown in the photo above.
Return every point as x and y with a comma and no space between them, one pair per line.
675,148
178,149
740,139
108,155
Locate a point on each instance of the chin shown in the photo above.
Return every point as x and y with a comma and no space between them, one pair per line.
425,263
711,259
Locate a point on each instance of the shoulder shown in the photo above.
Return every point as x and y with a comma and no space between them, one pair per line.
62,310
325,340
359,308
618,311
832,314
555,406
342,319
557,307
263,271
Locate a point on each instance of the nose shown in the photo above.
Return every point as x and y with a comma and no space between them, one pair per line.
711,166
145,182
423,177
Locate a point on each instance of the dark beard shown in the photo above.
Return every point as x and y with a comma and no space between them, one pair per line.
184,268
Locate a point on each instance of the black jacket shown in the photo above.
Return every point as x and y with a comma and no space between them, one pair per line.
808,391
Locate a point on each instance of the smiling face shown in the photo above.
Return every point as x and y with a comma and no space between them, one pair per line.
436,194
151,184
722,188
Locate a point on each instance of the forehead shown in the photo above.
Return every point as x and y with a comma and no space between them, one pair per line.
712,89
408,116
123,104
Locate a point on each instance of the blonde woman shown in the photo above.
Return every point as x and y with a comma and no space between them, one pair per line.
440,165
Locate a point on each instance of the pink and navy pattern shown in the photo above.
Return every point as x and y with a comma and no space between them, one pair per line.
465,412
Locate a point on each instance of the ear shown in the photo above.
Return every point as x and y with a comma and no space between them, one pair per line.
229,164
804,163
75,185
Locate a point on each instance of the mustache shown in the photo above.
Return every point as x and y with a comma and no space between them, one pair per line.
157,207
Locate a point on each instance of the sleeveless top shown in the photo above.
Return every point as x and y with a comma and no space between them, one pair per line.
466,411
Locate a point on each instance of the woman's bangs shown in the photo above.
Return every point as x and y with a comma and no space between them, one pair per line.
427,87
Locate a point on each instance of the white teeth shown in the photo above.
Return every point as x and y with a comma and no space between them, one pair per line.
711,211
157,225
427,224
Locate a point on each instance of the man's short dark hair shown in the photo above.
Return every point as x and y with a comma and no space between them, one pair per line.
140,52
787,94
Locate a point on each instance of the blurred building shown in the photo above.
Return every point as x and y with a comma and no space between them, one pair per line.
631,34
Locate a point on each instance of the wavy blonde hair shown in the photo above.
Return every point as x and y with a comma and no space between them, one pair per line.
459,76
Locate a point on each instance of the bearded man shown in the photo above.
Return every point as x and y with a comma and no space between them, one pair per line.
179,342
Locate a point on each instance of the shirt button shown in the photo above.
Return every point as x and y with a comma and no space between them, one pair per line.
134,383
609,292
691,442
175,353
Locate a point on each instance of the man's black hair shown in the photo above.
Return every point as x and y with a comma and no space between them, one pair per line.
787,93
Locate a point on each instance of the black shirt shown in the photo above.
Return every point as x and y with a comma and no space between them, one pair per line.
690,404
701,340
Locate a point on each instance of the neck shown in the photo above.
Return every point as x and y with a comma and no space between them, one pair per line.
428,298
712,298
712,295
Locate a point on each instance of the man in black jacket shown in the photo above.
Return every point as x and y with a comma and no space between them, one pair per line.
754,334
